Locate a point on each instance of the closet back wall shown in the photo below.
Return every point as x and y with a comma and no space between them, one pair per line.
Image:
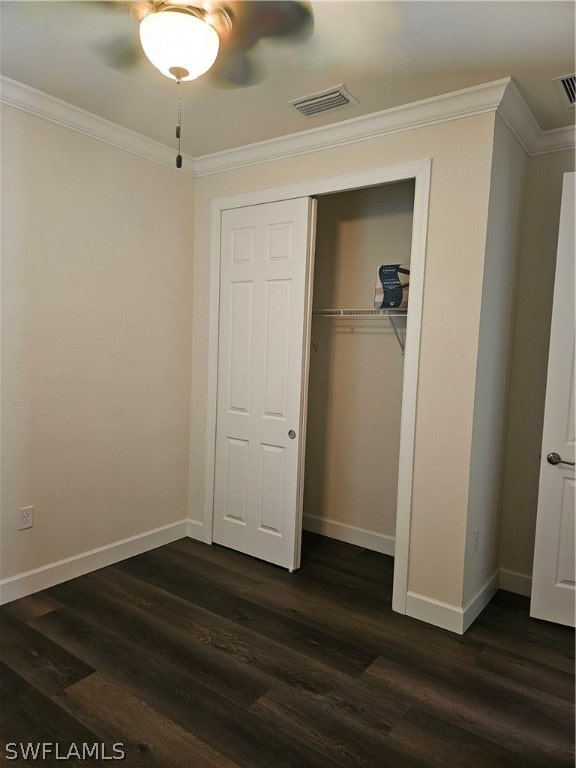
355,391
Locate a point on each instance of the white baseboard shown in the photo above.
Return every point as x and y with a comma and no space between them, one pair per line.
519,583
480,600
49,575
447,616
444,615
350,534
195,529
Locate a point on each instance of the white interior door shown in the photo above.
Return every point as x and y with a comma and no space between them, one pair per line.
262,378
553,580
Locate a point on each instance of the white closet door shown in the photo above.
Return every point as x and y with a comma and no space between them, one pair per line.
553,580
261,379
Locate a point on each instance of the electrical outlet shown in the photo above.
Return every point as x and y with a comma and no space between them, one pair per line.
26,518
475,540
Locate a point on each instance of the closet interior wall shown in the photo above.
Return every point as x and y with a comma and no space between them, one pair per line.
356,369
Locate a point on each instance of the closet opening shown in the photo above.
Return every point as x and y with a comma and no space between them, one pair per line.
259,420
359,315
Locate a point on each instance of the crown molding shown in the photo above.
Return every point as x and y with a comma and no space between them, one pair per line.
28,99
439,109
518,117
520,120
556,140
500,96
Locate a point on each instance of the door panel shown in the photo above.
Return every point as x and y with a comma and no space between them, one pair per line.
237,481
272,470
276,350
565,569
263,295
553,581
240,363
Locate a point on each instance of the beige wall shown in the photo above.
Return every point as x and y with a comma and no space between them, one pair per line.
461,152
491,405
530,357
355,391
96,335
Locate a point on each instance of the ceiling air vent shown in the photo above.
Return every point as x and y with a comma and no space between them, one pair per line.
566,87
334,98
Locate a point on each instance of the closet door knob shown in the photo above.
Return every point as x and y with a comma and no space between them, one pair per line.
291,434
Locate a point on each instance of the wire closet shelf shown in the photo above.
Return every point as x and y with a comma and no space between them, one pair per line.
385,312
389,312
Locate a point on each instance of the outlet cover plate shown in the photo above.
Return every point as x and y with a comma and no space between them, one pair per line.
26,518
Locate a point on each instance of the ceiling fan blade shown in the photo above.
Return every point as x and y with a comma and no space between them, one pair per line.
280,18
252,21
235,69
120,53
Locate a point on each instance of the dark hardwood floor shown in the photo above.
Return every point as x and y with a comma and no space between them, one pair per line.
192,656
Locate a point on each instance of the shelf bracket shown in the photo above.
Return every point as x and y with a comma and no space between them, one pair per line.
398,337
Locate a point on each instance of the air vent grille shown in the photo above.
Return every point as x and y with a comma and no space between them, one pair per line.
334,98
569,85
566,87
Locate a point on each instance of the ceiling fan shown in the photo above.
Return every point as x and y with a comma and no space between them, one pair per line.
194,36
186,38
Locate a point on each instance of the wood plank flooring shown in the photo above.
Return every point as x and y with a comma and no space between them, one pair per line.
193,656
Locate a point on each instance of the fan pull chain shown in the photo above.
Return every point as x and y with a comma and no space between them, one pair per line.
178,73
179,123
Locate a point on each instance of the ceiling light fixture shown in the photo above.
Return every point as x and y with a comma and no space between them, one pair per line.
179,41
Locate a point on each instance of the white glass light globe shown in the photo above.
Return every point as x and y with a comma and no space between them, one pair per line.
174,39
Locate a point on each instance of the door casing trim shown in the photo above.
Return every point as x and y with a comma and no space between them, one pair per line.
420,171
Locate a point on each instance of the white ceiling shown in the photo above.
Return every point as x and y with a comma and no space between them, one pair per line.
387,53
